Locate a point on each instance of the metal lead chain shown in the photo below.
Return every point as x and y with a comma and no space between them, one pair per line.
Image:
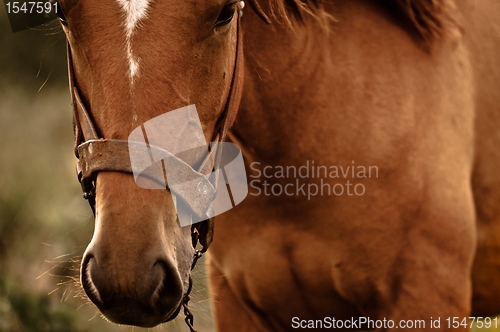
189,318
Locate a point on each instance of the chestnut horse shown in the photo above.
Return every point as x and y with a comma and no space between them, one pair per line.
409,87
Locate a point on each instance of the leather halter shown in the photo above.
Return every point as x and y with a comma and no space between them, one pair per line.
97,154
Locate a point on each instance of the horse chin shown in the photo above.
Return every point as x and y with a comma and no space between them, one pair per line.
174,315
128,313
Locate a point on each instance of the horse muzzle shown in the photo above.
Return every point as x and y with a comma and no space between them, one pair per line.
144,297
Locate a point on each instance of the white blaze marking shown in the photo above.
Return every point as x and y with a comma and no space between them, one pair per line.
135,11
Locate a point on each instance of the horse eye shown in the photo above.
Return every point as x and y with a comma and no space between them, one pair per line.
226,15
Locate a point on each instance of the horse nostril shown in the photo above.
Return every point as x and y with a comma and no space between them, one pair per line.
168,288
86,280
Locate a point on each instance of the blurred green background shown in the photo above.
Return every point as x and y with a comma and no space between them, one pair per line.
45,224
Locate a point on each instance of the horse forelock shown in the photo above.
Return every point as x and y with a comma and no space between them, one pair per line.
431,20
290,11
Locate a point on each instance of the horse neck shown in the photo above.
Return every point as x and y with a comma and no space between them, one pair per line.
282,71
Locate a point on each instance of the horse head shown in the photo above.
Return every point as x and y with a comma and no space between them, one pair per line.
131,61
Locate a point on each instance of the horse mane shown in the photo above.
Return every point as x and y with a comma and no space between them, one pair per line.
430,20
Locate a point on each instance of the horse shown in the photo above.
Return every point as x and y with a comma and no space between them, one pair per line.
369,131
